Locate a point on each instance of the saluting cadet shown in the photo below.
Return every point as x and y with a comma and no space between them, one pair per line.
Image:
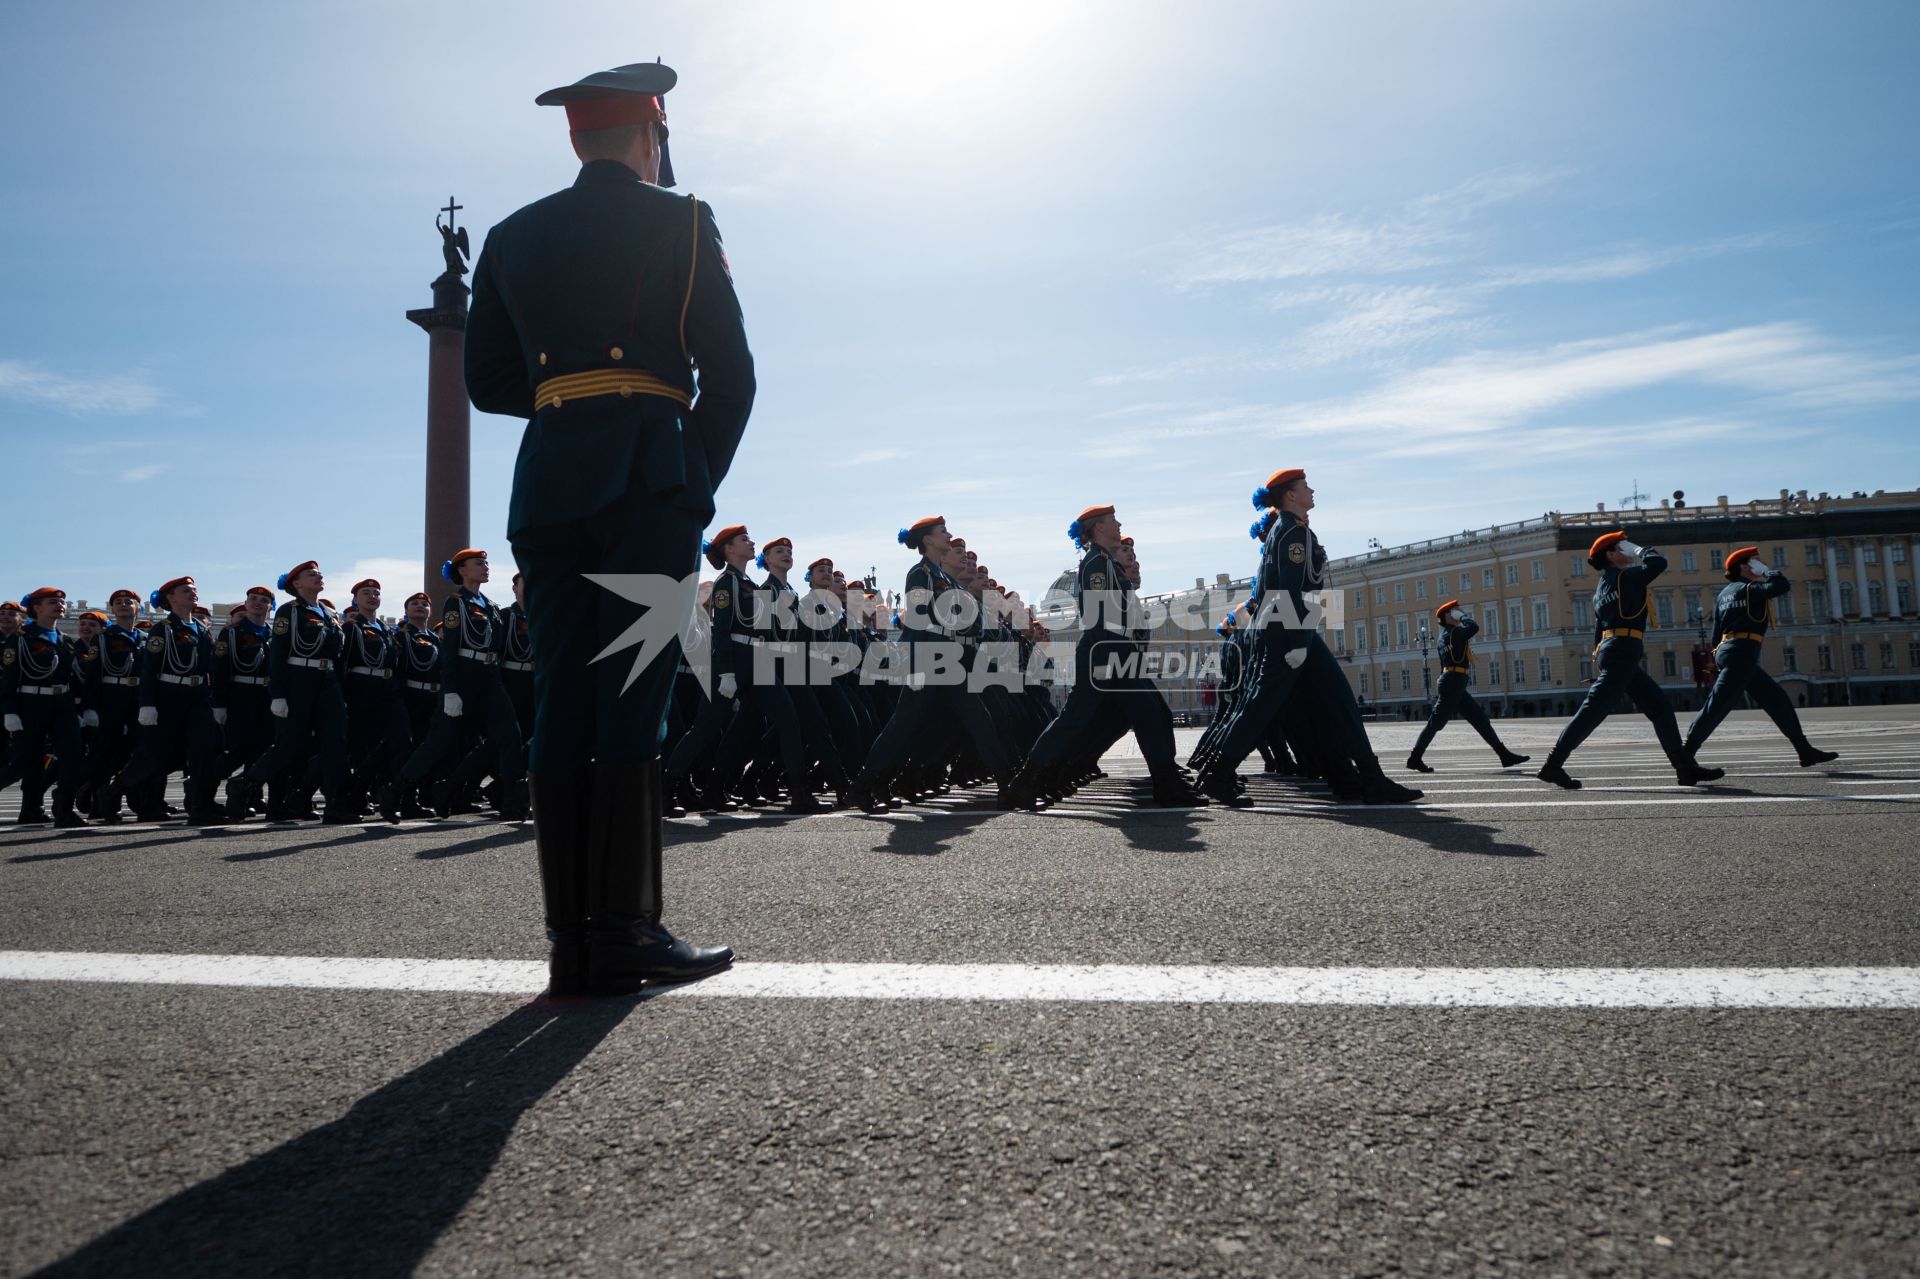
592,310
1622,610
303,677
176,712
1741,617
241,696
730,653
1291,660
37,672
1452,698
378,736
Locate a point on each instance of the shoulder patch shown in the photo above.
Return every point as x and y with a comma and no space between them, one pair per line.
279,626
722,598
1297,552
1097,580
220,649
8,657
155,644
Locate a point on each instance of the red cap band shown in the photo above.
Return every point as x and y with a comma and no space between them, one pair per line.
612,111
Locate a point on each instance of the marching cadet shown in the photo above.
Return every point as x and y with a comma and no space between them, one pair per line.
419,643
1452,698
1292,660
795,676
767,715
592,311
176,713
86,686
472,638
730,650
1622,609
516,660
1741,616
116,701
241,697
303,676
378,737
38,668
824,622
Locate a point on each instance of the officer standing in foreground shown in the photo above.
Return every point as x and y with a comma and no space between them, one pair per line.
1741,615
1622,606
592,309
1452,698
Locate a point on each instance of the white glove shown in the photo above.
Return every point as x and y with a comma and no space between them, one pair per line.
90,719
454,706
917,680
1629,550
220,715
149,716
14,725
279,707
1296,657
729,686
1763,570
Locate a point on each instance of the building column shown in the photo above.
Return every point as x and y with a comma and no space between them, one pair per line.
1890,580
1860,578
1833,583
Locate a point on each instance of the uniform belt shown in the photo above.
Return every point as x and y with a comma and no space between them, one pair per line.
555,391
1755,636
968,641
516,666
124,681
1456,670
255,680
480,655
744,639
1622,632
423,685
311,663
45,690
380,671
185,681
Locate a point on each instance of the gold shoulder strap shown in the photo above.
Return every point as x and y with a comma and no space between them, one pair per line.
693,265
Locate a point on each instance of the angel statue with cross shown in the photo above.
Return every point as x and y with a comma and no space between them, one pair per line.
453,239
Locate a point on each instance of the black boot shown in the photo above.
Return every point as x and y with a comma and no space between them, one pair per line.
561,804
1171,789
865,794
1222,787
64,815
1377,788
1017,792
1689,772
1344,780
389,803
1509,758
627,946
513,801
1811,755
105,808
1555,771
1418,765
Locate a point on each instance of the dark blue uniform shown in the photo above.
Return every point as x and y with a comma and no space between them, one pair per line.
38,670
174,680
303,662
1742,615
379,737
240,664
1453,698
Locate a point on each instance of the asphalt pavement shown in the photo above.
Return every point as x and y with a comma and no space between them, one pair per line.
157,1127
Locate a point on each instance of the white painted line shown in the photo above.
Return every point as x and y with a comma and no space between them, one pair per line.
1068,983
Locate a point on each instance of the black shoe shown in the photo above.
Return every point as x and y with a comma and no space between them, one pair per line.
339,814
1508,759
864,795
1688,773
1384,790
1223,788
389,803
1554,771
35,816
625,959
64,816
1418,765
804,802
1809,756
1173,790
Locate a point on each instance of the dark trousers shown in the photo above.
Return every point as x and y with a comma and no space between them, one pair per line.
249,726
703,738
1453,699
587,710
923,711
186,734
764,709
118,706
316,708
1619,676
1266,685
1741,677
44,722
486,708
379,739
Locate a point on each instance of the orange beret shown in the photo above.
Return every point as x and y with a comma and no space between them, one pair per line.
1739,557
287,577
716,555
422,596
1597,555
168,588
817,563
925,522
44,593
236,611
1280,479
1127,540
259,590
1439,614
96,615
115,597
778,541
1093,513
362,584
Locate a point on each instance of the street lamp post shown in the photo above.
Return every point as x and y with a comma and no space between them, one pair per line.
1426,671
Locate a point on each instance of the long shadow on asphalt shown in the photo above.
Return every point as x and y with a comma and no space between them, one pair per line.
88,847
369,1193
1442,832
366,835
512,833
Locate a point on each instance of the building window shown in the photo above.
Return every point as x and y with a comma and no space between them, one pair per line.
1440,584
1384,633
1813,555
1715,557
1783,609
1519,672
1579,568
1858,654
1516,621
1420,589
1540,624
1898,552
1513,575
1870,554
1669,665
1903,595
1493,674
1539,570
1826,660
1363,683
1359,600
1359,637
1886,655
1546,669
1691,598
1846,599
1406,680
1399,592
1490,624
1789,659
1400,632
1466,583
1582,612
1779,557
1817,601
1663,607
1842,555
1486,579
1379,595
1688,562
1339,641
1913,655
1586,668
1876,599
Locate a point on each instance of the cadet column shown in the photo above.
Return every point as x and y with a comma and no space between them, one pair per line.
449,416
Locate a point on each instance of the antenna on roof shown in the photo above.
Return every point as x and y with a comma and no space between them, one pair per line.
1636,498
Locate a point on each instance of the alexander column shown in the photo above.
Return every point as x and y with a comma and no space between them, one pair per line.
449,416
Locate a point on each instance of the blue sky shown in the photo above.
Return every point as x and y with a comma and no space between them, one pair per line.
1466,263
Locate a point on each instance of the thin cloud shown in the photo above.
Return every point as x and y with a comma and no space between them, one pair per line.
141,474
112,395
